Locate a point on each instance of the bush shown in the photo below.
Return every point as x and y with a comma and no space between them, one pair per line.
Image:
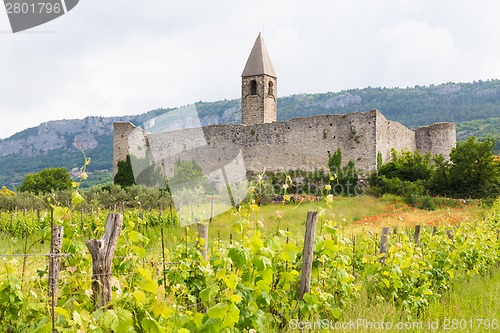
472,173
345,179
125,175
22,201
428,203
469,173
383,185
391,198
46,181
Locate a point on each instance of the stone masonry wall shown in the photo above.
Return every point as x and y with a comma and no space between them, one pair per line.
122,131
438,138
259,108
391,134
301,143
304,143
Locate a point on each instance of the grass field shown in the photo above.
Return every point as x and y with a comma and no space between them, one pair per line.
471,306
352,215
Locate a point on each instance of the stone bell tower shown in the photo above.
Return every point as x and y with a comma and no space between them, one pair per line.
258,87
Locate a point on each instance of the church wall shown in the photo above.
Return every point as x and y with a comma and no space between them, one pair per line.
304,143
121,149
300,143
438,138
391,134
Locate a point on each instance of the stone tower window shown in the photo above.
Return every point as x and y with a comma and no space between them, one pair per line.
270,90
253,87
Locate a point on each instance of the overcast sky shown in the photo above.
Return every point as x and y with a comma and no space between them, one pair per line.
120,57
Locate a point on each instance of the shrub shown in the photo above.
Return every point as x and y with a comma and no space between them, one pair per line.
427,203
125,175
47,180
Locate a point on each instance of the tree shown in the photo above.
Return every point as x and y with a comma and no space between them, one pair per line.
187,174
5,192
334,162
472,173
439,183
406,174
125,175
379,160
152,176
407,166
47,180
346,177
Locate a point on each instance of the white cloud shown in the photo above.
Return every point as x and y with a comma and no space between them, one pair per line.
120,57
415,52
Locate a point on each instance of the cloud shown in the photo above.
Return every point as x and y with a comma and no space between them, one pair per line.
416,52
120,57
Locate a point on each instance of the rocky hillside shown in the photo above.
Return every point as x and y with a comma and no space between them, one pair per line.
475,107
58,135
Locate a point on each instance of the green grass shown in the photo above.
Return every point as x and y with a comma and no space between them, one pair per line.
293,215
473,298
473,302
346,212
35,244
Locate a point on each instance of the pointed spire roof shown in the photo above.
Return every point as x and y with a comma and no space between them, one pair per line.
258,62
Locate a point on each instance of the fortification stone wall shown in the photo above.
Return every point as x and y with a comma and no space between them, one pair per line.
300,143
121,149
438,138
391,134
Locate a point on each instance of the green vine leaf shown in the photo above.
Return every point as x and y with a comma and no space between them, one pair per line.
76,198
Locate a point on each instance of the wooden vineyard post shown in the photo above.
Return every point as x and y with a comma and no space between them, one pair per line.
203,239
202,244
353,254
449,233
163,259
102,252
212,210
186,239
383,243
83,219
25,257
434,230
416,236
172,216
307,254
54,266
160,216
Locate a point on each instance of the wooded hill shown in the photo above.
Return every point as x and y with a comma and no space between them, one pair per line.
475,107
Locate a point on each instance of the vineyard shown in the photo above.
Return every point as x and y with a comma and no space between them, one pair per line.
249,280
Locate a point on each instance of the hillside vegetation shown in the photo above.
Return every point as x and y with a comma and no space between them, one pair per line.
475,107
